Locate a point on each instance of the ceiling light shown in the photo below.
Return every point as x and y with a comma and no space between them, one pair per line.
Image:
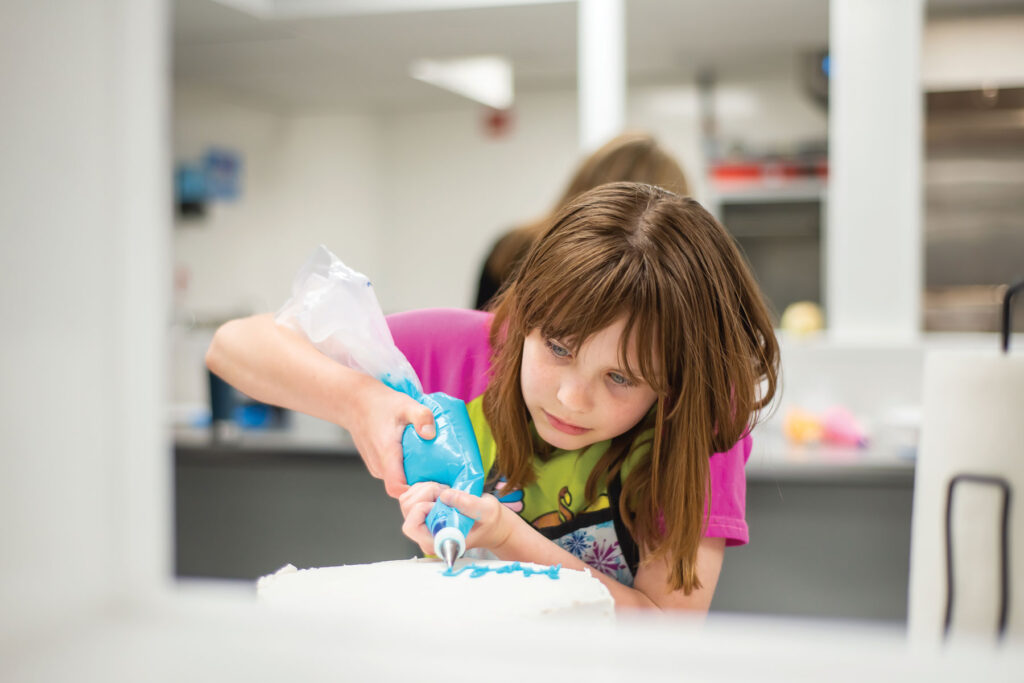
486,79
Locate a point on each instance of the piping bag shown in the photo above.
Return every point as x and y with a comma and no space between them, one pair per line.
336,309
452,457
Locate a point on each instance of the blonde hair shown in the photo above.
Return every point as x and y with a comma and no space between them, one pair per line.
634,157
664,264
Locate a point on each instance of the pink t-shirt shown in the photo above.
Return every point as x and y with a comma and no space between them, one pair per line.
450,351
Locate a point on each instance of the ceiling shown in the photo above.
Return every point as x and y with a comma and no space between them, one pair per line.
354,55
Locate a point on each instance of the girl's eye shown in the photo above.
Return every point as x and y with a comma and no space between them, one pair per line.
557,349
620,380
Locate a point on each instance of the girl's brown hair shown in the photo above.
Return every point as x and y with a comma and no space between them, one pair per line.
634,157
704,336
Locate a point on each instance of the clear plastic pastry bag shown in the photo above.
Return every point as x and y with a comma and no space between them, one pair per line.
335,307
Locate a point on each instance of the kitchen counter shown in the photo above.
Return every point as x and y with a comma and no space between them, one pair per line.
771,458
334,442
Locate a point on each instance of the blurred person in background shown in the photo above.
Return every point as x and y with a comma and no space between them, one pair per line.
633,157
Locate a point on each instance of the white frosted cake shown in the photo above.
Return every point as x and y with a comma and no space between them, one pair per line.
475,588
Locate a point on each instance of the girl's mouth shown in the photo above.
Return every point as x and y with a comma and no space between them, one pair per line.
565,427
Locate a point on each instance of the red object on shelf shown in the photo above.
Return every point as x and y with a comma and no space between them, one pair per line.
737,171
793,170
774,170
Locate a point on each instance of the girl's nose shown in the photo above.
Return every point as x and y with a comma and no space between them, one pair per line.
573,393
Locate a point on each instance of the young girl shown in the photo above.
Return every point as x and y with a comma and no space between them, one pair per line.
612,393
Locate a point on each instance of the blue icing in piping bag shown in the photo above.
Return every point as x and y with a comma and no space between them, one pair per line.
452,458
336,309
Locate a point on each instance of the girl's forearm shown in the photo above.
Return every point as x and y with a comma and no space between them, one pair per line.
533,547
275,365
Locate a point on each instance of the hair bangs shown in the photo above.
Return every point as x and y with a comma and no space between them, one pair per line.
642,332
590,299
572,303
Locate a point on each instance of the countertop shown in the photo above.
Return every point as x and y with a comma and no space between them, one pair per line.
771,459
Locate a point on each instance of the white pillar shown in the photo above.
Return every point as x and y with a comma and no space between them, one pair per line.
602,71
84,271
874,239
142,232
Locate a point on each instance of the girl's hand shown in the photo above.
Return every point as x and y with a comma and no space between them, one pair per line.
416,502
493,526
376,422
494,523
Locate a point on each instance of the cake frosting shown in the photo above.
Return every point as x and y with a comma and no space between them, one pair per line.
472,588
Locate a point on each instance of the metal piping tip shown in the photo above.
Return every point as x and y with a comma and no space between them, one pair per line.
449,551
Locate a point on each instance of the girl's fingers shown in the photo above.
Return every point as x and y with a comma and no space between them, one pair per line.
415,517
475,507
494,523
415,529
424,491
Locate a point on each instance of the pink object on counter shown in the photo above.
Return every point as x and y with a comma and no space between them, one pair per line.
841,428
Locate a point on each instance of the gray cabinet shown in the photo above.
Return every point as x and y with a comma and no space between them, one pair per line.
241,513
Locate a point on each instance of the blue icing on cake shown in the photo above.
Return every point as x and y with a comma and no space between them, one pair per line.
477,570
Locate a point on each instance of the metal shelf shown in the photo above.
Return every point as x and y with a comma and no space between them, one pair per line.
769,191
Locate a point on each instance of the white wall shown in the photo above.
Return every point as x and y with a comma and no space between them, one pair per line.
305,180
451,191
84,273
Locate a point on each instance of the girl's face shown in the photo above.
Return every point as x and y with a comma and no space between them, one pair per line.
579,399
